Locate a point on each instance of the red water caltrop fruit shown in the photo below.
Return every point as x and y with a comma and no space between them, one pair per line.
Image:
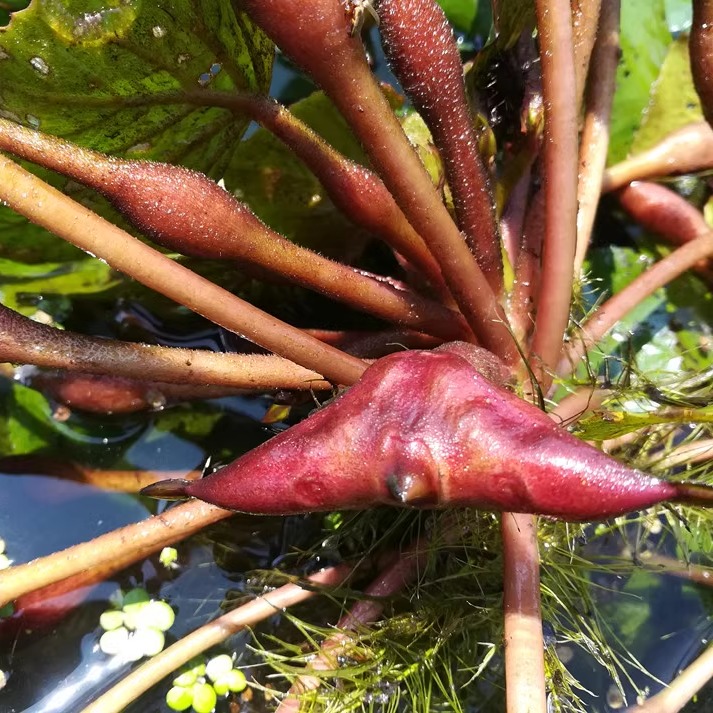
428,429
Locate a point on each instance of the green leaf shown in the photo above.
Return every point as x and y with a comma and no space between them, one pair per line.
190,422
645,38
28,243
460,13
25,420
73,67
43,281
674,102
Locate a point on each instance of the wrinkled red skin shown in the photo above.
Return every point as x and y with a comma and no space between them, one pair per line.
425,429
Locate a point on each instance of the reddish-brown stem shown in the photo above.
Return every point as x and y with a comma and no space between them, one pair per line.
560,151
421,49
49,208
683,151
585,20
135,542
316,35
212,634
185,211
527,269
25,341
513,218
358,192
700,45
595,134
524,647
616,307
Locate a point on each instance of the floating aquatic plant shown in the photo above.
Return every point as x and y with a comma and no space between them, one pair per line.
466,345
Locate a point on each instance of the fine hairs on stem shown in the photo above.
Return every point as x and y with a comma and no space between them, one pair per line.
46,206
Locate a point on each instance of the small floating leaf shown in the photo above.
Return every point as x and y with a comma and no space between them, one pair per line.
218,666
111,620
234,681
204,698
114,642
179,698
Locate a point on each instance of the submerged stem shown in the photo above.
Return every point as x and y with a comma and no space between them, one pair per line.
682,689
134,541
524,647
391,580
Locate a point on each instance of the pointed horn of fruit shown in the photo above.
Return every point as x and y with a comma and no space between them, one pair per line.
693,494
426,429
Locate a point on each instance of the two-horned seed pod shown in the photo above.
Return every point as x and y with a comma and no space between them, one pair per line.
430,429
